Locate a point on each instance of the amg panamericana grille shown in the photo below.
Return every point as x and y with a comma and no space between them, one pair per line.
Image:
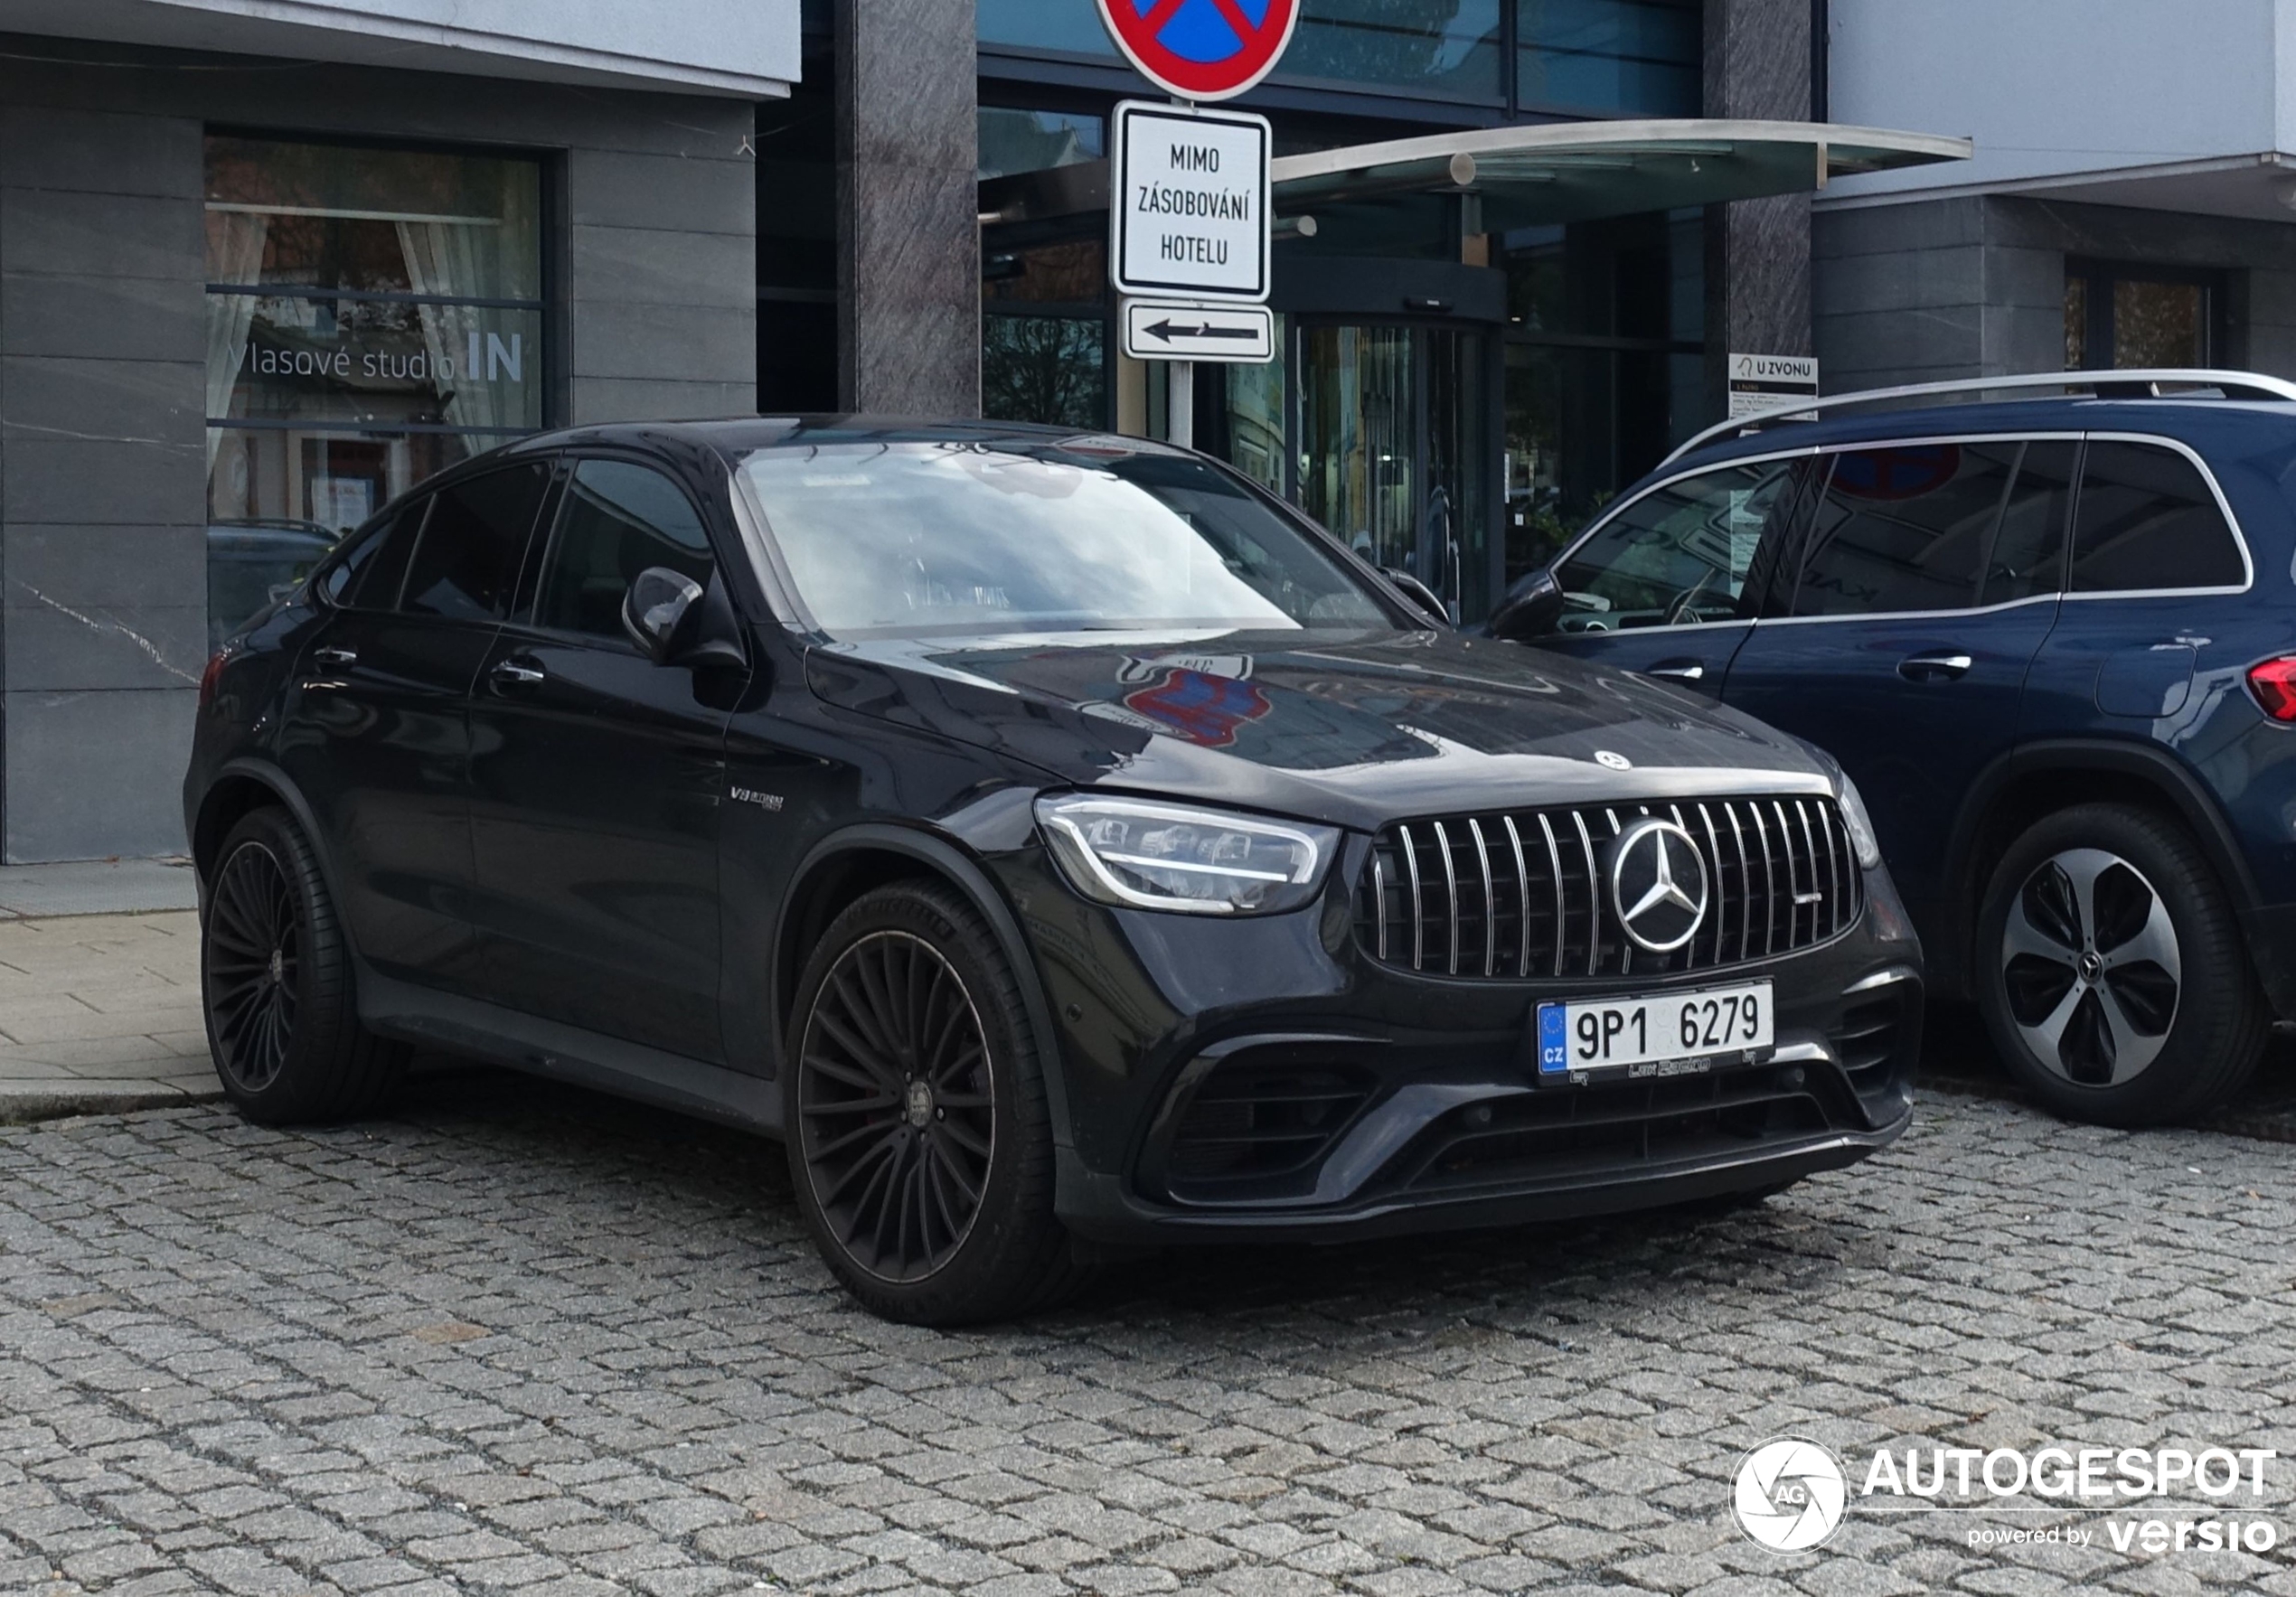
1523,894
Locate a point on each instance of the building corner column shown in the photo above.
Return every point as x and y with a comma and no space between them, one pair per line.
908,241
1759,63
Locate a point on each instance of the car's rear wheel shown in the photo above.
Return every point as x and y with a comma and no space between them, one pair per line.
276,983
920,1140
2113,978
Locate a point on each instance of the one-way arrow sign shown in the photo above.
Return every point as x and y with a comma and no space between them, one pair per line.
1173,329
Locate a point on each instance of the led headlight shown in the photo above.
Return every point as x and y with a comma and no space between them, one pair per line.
1151,855
1861,824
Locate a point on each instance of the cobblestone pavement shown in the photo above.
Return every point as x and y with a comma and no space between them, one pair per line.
521,1338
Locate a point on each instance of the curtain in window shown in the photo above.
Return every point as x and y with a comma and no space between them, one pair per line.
234,254
457,259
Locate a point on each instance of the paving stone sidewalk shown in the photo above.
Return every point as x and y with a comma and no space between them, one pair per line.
100,1012
519,1339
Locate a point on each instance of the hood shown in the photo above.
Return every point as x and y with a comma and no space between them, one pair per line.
1355,731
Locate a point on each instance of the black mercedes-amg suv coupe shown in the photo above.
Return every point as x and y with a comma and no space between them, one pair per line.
1058,841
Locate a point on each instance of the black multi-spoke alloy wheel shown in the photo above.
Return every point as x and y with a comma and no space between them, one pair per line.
919,1143
2111,973
275,980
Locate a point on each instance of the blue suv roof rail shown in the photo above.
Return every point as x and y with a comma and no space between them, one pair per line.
2155,378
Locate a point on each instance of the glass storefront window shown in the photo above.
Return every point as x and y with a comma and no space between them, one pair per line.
1447,47
372,316
1014,140
1634,58
2125,316
1044,369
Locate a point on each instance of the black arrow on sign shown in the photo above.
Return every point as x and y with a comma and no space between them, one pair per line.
1166,331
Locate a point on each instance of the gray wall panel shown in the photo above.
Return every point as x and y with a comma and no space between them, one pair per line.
61,647
105,773
96,318
102,367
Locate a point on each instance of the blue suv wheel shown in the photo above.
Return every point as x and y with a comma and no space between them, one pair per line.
2111,971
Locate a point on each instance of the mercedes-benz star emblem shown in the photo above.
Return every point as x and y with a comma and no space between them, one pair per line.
1659,884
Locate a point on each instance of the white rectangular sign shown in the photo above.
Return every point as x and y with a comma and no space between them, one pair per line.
1767,382
1176,330
1189,211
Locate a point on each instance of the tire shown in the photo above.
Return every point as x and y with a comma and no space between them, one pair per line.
276,985
2111,971
920,1145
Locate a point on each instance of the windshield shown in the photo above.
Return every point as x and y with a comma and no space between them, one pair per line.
912,539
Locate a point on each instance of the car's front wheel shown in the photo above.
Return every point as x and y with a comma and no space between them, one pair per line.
920,1140
2113,975
276,983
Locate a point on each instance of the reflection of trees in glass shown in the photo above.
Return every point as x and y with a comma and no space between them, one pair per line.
1047,369
1399,42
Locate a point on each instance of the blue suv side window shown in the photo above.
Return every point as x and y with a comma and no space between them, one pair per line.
1702,550
1904,527
2147,520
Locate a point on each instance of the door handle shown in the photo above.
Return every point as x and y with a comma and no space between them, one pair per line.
1944,665
341,659
516,674
1678,671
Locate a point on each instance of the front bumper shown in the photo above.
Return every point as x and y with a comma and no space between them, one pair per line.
1247,1079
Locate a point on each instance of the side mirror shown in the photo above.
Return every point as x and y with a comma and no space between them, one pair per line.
1531,609
1418,593
677,623
660,612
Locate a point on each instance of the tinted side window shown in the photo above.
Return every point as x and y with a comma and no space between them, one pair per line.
2146,519
1701,550
370,573
618,519
1903,528
2028,551
466,563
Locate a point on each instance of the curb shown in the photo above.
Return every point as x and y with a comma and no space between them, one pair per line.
25,1102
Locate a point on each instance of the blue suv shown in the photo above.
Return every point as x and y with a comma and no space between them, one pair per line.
2053,639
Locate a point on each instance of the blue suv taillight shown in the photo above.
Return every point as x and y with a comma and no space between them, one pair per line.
2273,682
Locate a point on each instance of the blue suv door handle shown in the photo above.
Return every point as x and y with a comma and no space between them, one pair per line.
1677,670
1941,666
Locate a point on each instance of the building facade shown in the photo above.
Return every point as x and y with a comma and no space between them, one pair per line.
256,278
2132,200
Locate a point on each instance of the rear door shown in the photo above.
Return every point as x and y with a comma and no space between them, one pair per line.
379,740
598,778
2151,533
1927,582
1669,585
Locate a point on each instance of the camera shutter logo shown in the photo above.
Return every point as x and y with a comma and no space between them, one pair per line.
1791,1495
1659,885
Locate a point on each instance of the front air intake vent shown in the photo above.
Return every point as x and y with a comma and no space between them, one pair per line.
1525,894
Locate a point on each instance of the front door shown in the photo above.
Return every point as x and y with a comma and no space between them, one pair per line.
1928,582
597,780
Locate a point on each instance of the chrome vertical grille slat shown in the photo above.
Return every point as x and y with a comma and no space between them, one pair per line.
1768,860
1554,867
1490,904
1418,902
1451,893
1594,897
1522,881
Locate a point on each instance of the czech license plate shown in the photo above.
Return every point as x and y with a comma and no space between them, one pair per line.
1676,1034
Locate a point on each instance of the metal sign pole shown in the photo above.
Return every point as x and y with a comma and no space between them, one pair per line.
1180,381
